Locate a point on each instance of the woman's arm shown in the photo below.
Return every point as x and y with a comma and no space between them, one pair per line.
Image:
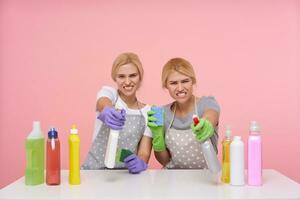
145,147
212,116
163,157
103,102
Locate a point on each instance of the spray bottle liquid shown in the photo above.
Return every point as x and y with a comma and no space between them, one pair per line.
53,158
209,153
34,173
254,155
237,167
74,156
226,156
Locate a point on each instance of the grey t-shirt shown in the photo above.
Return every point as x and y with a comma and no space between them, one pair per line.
184,123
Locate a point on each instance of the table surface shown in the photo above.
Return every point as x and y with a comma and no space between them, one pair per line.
154,184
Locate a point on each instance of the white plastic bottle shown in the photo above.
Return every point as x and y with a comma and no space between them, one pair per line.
112,144
237,168
209,153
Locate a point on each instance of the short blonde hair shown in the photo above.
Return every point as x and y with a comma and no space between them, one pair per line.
178,65
126,58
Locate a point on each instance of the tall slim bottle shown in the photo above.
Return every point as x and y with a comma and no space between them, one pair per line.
35,144
112,144
74,157
226,156
53,158
254,155
237,168
209,153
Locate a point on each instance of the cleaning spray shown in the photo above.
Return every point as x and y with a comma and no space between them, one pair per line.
53,158
112,144
226,156
34,173
237,176
209,153
74,156
254,155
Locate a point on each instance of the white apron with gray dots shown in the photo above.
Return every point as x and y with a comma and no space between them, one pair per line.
184,148
129,138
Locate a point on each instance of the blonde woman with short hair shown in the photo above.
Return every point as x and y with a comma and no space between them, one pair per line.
127,72
177,143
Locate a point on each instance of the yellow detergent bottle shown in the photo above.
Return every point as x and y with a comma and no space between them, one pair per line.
226,156
74,157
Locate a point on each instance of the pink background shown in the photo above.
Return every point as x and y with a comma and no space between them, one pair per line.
55,56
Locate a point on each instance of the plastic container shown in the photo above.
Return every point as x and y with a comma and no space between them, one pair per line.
35,144
254,155
209,153
112,144
74,157
237,168
226,156
53,158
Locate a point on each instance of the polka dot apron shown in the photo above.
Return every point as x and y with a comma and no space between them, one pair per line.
129,138
185,150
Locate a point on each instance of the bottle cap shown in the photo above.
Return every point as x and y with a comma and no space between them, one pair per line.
36,131
237,137
228,131
52,133
195,119
254,127
74,129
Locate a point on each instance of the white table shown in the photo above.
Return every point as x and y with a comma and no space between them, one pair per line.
154,184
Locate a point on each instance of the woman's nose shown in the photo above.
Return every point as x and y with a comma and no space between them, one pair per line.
127,80
180,87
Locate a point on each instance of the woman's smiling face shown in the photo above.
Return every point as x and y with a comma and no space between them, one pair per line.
180,86
128,79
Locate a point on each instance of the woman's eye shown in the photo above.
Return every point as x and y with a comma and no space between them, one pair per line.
132,75
173,83
121,76
185,81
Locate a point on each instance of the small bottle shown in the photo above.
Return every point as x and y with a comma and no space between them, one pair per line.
237,176
53,158
74,157
254,155
226,156
35,144
209,153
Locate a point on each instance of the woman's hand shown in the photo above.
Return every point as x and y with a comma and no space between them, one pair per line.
158,141
112,118
203,130
134,164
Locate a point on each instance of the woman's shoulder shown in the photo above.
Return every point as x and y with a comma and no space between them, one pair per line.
206,102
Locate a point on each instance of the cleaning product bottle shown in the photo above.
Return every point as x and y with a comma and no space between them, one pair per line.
226,156
53,158
34,173
254,155
209,153
112,144
237,168
74,157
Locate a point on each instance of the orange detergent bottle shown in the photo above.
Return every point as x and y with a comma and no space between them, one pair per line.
53,158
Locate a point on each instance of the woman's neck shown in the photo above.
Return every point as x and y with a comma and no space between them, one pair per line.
131,101
182,109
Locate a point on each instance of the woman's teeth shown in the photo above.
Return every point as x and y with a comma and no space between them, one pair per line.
181,94
128,87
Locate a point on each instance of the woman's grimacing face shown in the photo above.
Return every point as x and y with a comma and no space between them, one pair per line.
128,79
180,86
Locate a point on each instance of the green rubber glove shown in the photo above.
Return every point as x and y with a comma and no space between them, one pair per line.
158,132
203,130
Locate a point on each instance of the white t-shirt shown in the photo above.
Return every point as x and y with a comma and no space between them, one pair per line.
113,95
